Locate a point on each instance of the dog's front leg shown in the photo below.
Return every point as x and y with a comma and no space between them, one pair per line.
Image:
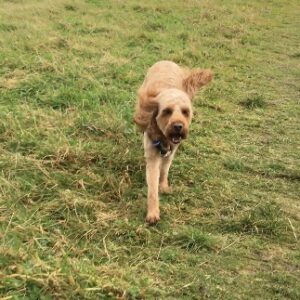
152,174
164,186
153,163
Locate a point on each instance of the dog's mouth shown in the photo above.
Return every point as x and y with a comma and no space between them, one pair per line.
176,139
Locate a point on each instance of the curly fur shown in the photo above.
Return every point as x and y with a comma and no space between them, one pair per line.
164,101
165,75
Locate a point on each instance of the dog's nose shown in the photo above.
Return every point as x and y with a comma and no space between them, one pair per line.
177,127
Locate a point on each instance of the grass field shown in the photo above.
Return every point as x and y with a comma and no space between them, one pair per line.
72,182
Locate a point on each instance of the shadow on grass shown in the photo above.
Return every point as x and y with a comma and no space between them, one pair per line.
271,172
265,219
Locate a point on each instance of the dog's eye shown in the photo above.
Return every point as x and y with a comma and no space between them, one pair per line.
167,111
185,112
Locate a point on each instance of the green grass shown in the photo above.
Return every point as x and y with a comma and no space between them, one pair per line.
72,174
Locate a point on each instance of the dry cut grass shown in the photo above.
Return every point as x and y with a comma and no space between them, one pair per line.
72,183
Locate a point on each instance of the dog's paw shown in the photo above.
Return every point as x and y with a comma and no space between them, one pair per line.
152,218
165,189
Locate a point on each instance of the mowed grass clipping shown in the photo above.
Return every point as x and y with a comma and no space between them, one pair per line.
72,181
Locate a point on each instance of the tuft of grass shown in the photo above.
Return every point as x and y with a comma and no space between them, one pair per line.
195,241
70,7
8,27
265,219
255,101
235,165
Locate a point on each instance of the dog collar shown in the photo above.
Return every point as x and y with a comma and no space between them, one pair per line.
163,151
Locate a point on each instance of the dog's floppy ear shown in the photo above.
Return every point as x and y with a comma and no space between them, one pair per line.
153,130
146,108
154,113
195,80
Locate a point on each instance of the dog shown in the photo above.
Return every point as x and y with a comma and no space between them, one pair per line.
164,113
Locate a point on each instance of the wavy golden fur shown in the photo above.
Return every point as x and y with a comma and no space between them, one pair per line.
165,75
164,113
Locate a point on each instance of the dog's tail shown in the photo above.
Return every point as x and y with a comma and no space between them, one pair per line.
196,79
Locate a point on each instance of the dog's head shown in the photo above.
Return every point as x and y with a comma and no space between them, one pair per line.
174,114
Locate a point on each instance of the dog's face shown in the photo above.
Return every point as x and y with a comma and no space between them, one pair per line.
174,114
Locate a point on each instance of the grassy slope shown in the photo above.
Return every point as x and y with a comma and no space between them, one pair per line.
72,173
